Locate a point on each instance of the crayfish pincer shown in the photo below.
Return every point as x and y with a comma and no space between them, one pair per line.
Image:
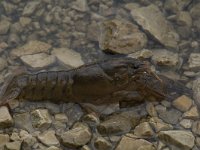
108,81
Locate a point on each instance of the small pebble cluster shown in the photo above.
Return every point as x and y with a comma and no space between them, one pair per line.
55,34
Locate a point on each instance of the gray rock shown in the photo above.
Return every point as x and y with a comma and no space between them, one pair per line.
13,39
4,26
31,47
61,117
3,63
53,148
39,60
143,54
78,136
23,121
5,118
8,7
30,7
48,138
41,118
101,143
68,57
120,36
194,61
170,116
148,17
24,21
179,138
123,122
129,142
196,127
196,92
162,57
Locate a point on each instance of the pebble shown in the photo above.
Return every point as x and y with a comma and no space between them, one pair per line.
30,7
22,121
61,117
143,130
25,21
80,5
40,60
192,113
16,145
170,116
163,57
4,138
120,36
101,143
53,148
151,110
142,54
196,92
5,118
4,26
68,57
184,18
196,127
163,32
194,61
3,64
48,138
159,125
131,143
41,118
186,123
78,136
30,48
182,103
179,138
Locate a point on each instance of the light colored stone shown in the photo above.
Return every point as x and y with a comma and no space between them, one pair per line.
39,60
48,138
102,144
68,57
194,61
186,123
78,136
5,118
24,21
32,47
131,143
53,148
3,46
143,130
91,118
3,63
184,18
142,54
182,103
192,113
80,5
4,138
4,26
159,125
195,13
41,118
151,110
30,7
85,147
16,145
120,36
179,138
15,137
163,57
148,17
61,117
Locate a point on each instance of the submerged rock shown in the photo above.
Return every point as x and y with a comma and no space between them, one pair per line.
120,36
6,120
148,18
